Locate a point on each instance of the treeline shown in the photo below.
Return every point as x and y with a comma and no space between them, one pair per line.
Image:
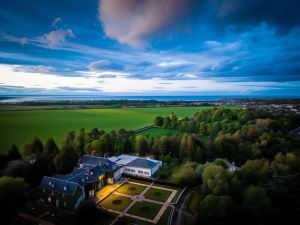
111,103
237,135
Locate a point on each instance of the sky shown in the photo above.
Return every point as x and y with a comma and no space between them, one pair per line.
150,47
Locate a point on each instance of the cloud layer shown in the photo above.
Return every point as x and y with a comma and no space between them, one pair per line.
134,21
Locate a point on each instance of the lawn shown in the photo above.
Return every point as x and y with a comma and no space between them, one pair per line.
131,189
20,127
158,194
153,132
144,209
115,202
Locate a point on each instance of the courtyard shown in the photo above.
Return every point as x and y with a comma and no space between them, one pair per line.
140,200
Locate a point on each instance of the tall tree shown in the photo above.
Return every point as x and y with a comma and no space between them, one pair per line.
66,160
50,149
13,153
141,145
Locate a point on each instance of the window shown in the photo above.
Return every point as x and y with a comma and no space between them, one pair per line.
147,173
128,170
139,171
49,199
132,171
65,188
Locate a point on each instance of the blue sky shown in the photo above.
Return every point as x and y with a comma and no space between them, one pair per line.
150,47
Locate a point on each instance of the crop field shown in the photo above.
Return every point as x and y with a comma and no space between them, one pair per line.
20,127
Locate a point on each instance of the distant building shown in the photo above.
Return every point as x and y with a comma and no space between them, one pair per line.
92,173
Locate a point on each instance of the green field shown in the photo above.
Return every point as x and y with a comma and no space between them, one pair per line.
20,127
153,132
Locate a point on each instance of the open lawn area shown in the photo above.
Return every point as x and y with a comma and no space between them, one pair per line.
153,132
144,209
20,127
115,202
157,194
131,189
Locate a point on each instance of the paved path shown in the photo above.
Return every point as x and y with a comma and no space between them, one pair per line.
180,216
160,213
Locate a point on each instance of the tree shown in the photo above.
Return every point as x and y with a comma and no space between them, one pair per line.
96,148
106,143
79,141
70,138
34,149
215,180
254,172
218,210
256,202
50,149
173,120
66,160
37,146
13,153
141,145
12,191
185,175
167,122
16,168
158,121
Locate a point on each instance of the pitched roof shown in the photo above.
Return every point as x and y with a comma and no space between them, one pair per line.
94,161
143,163
53,184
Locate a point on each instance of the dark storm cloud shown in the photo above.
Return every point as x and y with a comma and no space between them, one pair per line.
133,22
284,14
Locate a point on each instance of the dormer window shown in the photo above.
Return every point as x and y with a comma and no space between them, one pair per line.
49,183
65,188
53,185
91,173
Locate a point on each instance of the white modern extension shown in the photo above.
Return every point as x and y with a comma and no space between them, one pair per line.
137,166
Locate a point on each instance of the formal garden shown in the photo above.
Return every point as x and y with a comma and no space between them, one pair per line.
141,201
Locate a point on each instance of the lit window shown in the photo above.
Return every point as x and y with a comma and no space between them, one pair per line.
65,188
49,199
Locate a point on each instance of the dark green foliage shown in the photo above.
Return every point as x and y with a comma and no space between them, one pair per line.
13,153
12,198
218,210
66,160
50,149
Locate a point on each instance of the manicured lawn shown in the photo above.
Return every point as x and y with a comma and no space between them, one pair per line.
157,194
153,132
165,217
19,127
139,181
131,189
163,220
145,209
115,202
